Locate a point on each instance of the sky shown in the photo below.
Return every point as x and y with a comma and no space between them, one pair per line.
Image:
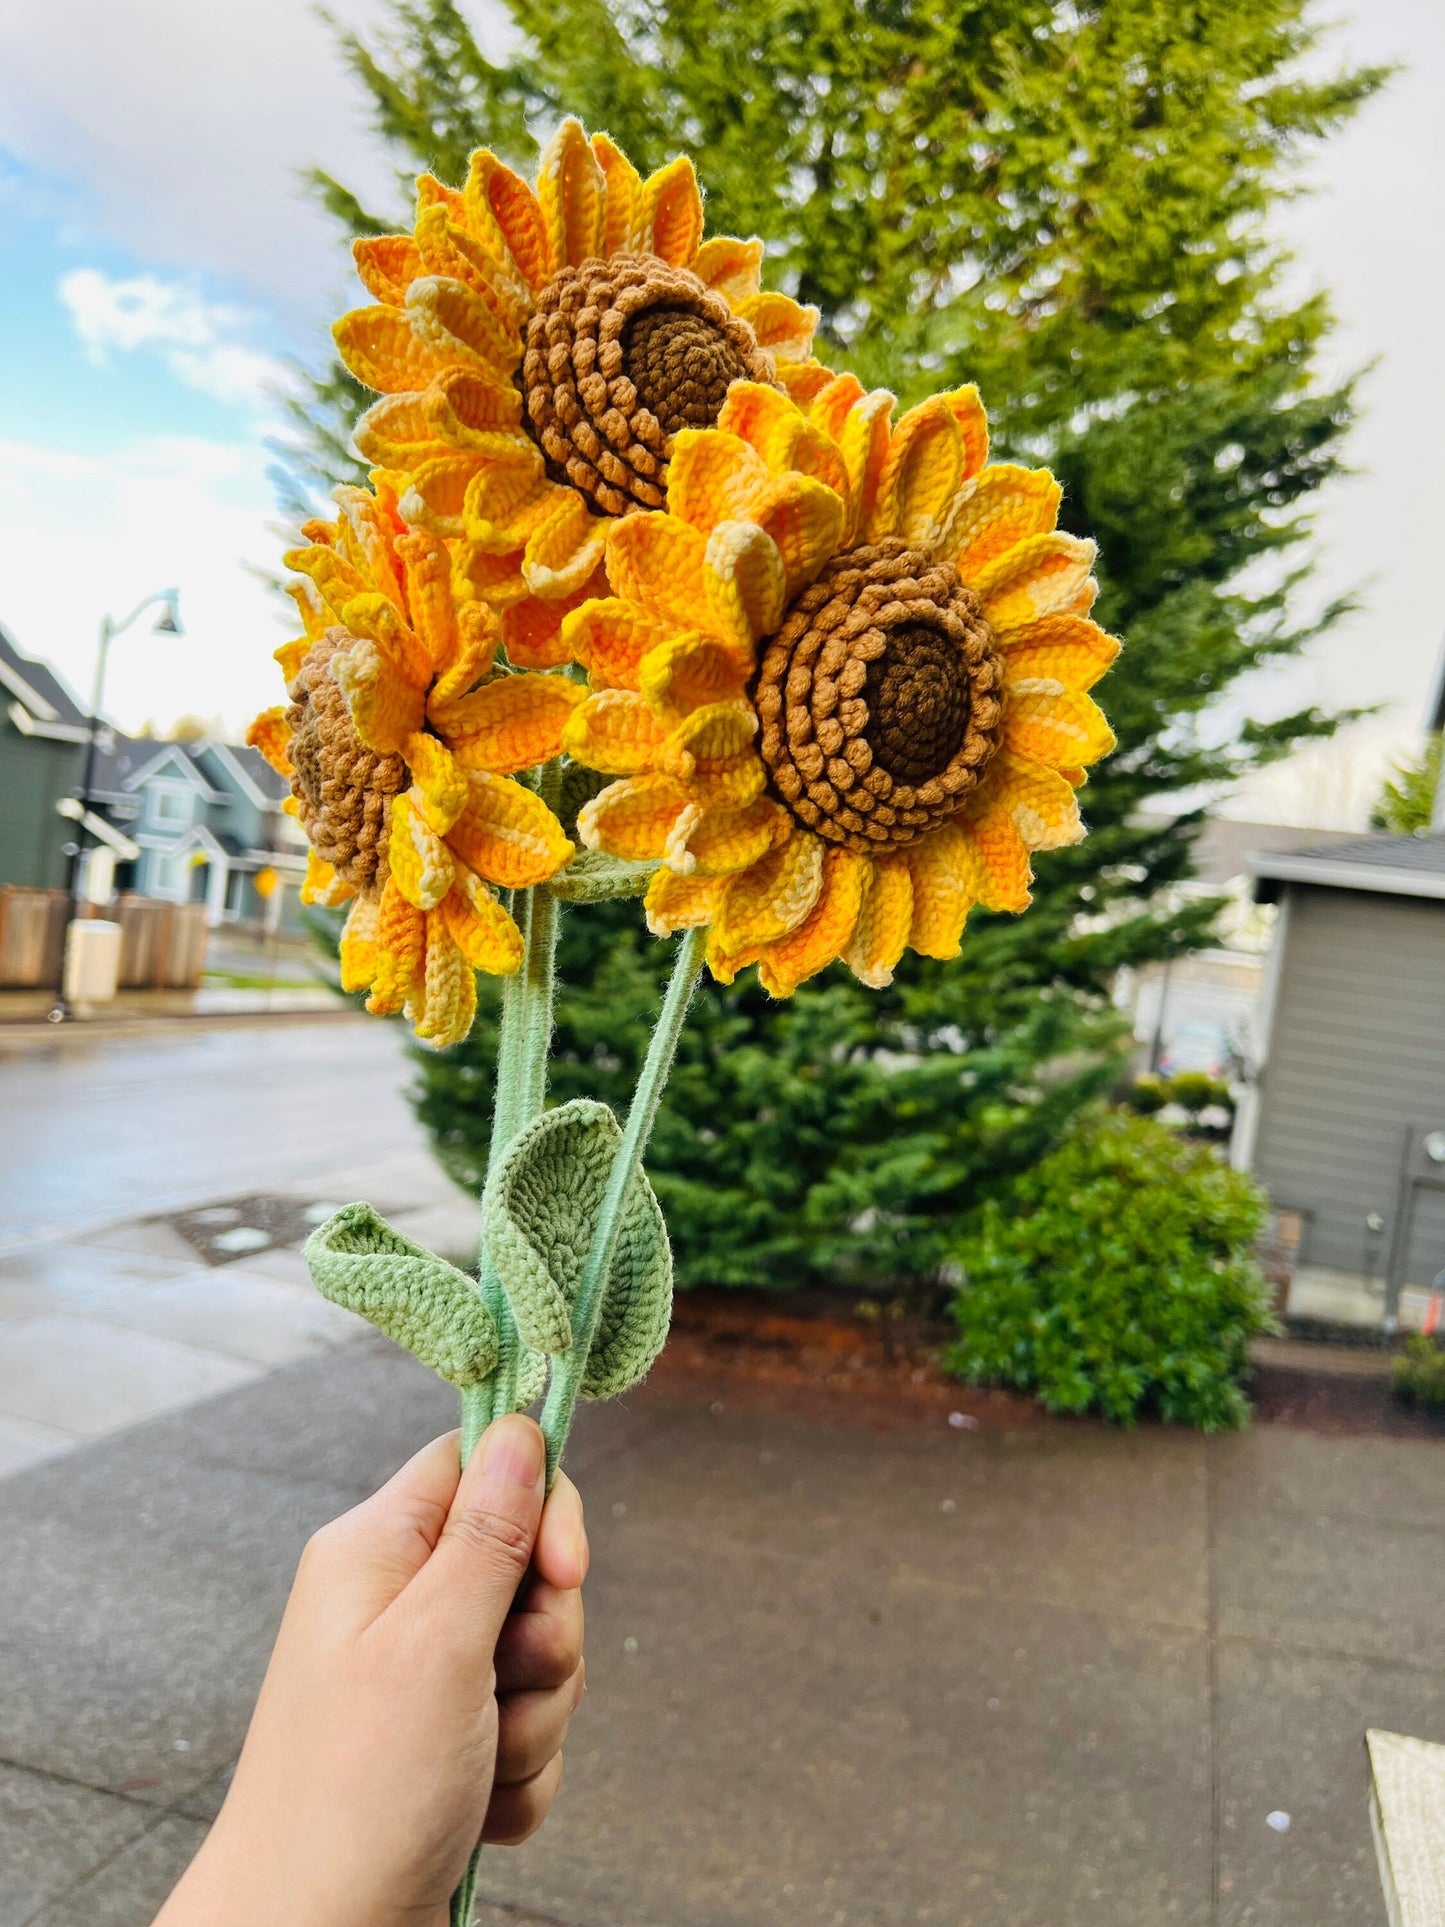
163,267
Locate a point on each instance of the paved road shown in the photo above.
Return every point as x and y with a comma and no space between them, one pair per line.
92,1131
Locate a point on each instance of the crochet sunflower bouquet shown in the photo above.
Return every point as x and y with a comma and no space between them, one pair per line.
643,600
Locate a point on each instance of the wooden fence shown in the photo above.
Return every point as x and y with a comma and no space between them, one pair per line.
162,945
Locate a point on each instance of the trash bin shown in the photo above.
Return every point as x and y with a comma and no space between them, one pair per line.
92,961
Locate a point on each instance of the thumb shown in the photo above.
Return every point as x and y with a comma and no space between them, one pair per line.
482,1554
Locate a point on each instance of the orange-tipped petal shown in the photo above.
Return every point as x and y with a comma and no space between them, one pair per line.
565,549
1040,576
511,724
1067,649
469,409
711,751
489,575
439,786
532,630
385,708
271,734
571,192
321,885
477,632
864,437
381,348
502,212
714,843
1040,800
803,380
376,618
656,561
507,834
610,637
946,875
713,477
427,569
357,948
783,435
745,585
1004,872
782,325
885,918
614,731
448,251
774,896
459,328
966,407
688,671
676,903
918,490
449,987
436,494
419,860
806,519
824,933
400,952
623,196
482,930
734,268
315,616
670,213
1056,726
335,579
387,264
290,656
1006,505
396,432
632,819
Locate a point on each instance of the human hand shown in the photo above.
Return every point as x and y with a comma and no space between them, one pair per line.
414,1702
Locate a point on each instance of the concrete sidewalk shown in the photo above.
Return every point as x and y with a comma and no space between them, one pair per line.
990,1679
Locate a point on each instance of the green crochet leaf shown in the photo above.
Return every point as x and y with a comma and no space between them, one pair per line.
425,1304
538,1217
593,877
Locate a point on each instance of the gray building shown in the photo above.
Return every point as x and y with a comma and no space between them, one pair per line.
1346,1122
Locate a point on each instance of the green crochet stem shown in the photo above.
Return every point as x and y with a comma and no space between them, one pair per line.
568,1368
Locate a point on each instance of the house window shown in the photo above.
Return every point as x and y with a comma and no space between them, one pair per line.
170,876
169,804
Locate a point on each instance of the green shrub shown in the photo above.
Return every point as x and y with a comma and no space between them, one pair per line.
1197,1091
1115,1276
1147,1094
1418,1376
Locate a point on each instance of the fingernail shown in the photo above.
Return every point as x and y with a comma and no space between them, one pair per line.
582,1551
512,1453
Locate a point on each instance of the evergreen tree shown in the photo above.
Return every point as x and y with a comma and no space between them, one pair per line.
1068,205
1407,800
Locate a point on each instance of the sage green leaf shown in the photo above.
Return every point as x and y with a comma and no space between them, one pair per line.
425,1304
594,877
538,1217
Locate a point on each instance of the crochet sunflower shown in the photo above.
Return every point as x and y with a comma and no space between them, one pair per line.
841,681
539,351
401,740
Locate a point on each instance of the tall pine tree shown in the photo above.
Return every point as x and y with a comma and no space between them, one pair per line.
1068,204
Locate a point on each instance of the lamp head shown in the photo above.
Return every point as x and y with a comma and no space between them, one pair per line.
168,622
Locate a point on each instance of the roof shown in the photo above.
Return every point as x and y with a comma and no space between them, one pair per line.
42,706
1398,866
1226,845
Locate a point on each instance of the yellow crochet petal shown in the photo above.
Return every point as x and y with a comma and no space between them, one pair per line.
449,989
427,575
315,616
400,952
656,561
387,264
803,380
946,874
572,193
469,409
1043,575
714,843
507,834
734,268
385,708
670,214
396,432
633,818
1040,800
1004,872
783,435
509,498
482,930
366,531
448,251
493,576
430,193
918,489
473,653
966,407
532,630
1069,649
439,786
864,437
290,656
511,724
374,617
321,885
614,731
885,918
502,211
460,328
674,903
271,734
610,637
806,520
381,348
564,550
419,860
782,325
745,585
357,948
335,579
713,477
824,933
622,198
1007,504
774,896
1055,725
690,670
711,752
436,493
724,961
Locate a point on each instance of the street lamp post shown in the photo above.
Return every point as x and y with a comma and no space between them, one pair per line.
168,623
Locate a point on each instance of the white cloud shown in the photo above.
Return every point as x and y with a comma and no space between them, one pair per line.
193,336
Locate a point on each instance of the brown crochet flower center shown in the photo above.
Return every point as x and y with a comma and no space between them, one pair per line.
879,698
343,789
618,356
